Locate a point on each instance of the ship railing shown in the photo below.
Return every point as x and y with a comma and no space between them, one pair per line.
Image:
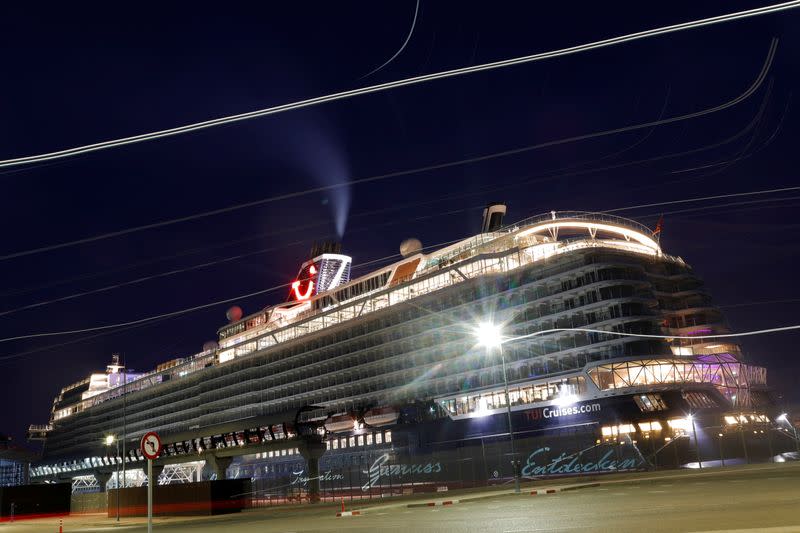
578,215
74,385
470,248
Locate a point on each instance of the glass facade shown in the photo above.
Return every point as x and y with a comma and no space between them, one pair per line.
519,396
731,377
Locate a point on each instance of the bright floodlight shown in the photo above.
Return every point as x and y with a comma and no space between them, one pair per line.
782,417
109,440
488,335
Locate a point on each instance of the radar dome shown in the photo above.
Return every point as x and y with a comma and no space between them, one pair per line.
210,346
234,313
410,247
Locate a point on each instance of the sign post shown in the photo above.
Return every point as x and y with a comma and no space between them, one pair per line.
149,496
151,447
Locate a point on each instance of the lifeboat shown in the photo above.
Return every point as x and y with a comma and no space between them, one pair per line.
339,423
381,416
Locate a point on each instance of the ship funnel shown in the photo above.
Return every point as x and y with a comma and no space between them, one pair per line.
326,247
326,269
493,217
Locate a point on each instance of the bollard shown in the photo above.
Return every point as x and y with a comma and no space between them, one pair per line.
60,525
342,504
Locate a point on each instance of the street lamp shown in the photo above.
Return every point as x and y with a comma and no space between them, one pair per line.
490,336
109,440
696,442
784,418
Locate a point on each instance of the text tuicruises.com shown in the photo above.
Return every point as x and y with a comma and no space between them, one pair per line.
567,410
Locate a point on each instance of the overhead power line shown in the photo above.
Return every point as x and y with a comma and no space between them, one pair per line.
761,302
557,173
197,307
438,166
552,175
150,320
653,336
206,264
703,198
613,41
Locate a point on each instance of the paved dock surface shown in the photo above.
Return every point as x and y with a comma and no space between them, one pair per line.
743,500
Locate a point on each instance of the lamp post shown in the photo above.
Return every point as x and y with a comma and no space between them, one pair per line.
124,424
696,442
111,439
489,336
784,418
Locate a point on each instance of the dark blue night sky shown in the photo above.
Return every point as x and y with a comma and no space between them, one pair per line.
76,74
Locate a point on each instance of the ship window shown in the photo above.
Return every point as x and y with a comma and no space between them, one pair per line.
650,426
335,444
361,440
622,429
369,439
699,400
352,442
388,436
378,438
680,426
650,402
344,443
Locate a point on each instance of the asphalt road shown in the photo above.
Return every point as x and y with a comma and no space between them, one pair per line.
763,500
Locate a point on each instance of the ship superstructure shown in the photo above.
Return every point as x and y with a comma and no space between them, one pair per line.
389,359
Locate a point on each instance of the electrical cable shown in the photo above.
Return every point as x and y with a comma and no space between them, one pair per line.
147,324
226,244
653,336
181,311
402,47
397,207
702,198
157,317
756,84
763,302
151,320
739,15
217,262
361,265
752,208
720,206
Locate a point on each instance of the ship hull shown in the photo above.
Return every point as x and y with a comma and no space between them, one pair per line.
445,454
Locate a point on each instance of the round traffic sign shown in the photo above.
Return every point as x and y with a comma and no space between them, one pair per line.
151,445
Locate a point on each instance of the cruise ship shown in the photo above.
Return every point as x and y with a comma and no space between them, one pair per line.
381,384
